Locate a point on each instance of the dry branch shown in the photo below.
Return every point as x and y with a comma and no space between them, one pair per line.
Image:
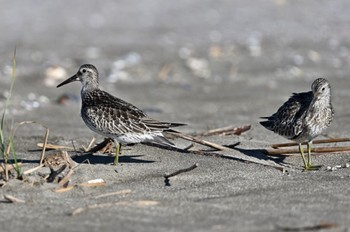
296,150
333,140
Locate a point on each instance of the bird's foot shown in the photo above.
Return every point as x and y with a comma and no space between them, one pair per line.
312,167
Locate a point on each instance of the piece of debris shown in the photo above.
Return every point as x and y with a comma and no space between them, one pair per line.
168,175
322,226
121,192
139,203
336,167
13,199
94,183
59,159
106,146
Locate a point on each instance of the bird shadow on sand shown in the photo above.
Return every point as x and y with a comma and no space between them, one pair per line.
106,159
260,154
255,153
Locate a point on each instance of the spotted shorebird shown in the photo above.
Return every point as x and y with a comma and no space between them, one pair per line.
303,117
114,118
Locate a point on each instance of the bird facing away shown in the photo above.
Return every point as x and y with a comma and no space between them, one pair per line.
303,117
114,118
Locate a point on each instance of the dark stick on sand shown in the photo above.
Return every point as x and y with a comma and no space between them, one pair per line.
167,175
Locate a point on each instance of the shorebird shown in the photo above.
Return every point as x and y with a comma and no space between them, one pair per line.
114,118
303,117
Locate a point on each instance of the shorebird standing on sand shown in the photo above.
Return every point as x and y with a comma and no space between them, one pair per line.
114,118
303,117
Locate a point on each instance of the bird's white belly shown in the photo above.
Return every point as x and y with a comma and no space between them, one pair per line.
133,138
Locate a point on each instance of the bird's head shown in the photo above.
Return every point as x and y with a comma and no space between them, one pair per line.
321,88
87,75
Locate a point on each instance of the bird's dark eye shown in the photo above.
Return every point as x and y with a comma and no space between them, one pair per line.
323,89
83,70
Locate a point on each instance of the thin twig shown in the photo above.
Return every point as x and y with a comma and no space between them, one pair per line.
121,192
64,180
163,73
333,140
54,173
13,199
90,144
167,175
55,147
139,203
33,169
42,156
200,141
188,147
296,150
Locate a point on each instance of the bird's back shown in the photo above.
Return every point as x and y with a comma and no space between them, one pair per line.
108,115
288,121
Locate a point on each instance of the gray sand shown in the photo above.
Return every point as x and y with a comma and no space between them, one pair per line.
253,57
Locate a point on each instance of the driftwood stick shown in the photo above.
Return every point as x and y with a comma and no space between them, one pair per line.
333,140
200,141
239,156
296,150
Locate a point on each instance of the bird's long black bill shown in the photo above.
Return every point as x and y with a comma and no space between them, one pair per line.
69,80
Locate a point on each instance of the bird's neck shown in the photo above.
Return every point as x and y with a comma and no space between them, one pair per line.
89,86
322,101
320,104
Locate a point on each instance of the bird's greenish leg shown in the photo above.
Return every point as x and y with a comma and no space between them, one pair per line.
117,151
302,156
309,154
309,165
